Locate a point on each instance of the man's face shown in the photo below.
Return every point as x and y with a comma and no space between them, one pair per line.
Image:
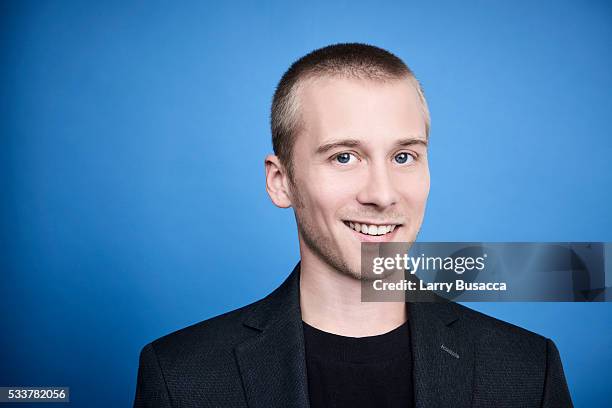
360,163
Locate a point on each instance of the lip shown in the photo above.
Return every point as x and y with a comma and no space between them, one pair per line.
388,237
377,223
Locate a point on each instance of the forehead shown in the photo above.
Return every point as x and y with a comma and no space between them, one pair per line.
368,110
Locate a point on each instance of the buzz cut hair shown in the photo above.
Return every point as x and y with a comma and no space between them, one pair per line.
345,60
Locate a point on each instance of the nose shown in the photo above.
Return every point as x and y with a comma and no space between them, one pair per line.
378,189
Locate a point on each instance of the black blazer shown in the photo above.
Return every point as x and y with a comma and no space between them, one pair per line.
254,357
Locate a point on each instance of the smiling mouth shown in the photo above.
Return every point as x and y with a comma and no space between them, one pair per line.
372,229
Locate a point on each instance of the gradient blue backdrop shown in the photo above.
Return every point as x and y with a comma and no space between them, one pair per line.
132,144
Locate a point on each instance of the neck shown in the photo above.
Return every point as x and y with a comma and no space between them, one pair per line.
331,301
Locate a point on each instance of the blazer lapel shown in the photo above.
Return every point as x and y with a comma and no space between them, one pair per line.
273,368
443,357
272,363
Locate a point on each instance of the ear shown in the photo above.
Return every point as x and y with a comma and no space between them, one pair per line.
277,182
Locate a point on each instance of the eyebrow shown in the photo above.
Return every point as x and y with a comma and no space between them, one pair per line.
412,141
356,143
337,143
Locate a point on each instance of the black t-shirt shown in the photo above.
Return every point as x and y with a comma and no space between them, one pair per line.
374,371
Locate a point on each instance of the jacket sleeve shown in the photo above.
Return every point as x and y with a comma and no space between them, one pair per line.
151,389
556,393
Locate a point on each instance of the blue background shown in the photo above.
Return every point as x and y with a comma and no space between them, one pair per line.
132,180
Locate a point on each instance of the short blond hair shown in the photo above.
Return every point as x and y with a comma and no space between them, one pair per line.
352,60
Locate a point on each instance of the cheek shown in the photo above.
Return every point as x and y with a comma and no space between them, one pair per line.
423,189
333,191
416,190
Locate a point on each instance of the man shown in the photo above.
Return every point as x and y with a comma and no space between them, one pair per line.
350,128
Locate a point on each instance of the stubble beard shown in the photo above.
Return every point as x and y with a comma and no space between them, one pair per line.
321,246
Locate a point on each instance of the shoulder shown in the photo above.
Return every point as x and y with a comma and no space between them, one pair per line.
496,340
210,341
485,326
195,364
488,323
509,358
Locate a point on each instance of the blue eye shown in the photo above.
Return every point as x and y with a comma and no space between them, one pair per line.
403,158
343,158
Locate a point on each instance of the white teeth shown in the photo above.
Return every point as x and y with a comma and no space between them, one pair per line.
372,229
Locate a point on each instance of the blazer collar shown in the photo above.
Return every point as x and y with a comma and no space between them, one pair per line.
273,363
273,367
